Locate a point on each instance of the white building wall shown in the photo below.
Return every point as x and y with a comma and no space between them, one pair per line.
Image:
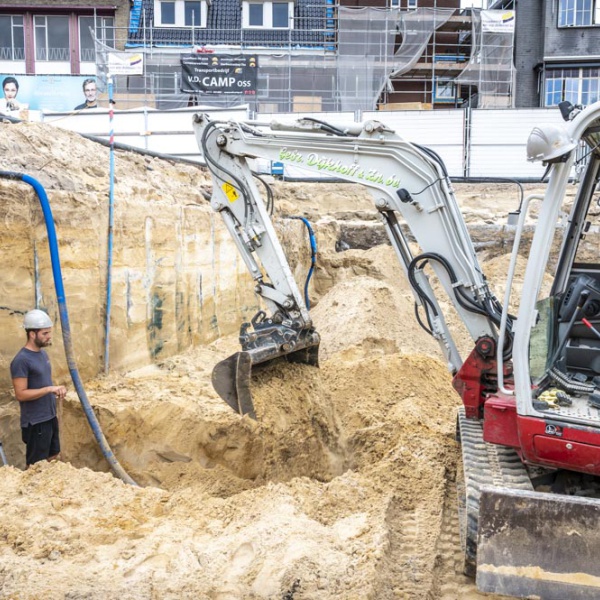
52,68
13,66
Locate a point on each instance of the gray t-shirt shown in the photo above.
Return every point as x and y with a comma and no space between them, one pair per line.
35,366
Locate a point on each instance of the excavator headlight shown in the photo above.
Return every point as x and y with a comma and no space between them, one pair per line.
549,144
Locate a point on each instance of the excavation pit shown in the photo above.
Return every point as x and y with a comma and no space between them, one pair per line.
342,488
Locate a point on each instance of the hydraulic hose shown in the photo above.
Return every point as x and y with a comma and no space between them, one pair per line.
313,256
66,327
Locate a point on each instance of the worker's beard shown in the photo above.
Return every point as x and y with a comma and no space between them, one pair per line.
41,343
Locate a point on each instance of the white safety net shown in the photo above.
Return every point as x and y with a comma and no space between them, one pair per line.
490,68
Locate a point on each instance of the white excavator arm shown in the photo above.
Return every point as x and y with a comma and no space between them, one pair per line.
407,182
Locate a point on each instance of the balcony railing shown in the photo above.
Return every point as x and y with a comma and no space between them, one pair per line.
12,53
52,54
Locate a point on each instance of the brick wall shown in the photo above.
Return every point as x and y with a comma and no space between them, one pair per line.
529,43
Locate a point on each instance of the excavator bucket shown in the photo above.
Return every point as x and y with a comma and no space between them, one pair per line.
231,380
231,377
536,545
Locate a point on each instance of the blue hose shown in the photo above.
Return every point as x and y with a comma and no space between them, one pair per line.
111,224
65,326
313,257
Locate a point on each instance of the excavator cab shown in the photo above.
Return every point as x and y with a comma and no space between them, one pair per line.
534,529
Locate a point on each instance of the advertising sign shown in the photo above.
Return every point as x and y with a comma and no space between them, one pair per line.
125,63
47,92
218,73
498,21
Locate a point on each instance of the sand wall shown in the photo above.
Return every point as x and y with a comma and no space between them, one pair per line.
177,279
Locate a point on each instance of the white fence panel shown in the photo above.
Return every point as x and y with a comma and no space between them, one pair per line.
499,141
334,118
495,146
440,130
165,132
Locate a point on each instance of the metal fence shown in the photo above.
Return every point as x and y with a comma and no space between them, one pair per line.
472,143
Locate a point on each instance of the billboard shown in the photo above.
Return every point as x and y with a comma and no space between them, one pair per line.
48,92
219,73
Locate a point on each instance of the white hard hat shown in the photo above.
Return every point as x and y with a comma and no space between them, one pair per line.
549,144
37,319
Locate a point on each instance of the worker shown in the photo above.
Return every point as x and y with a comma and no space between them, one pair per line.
32,380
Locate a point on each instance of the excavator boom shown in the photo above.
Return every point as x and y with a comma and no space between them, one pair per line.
407,182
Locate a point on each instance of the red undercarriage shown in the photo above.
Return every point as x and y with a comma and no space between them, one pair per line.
540,441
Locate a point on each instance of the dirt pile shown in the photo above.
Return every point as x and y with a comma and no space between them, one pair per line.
341,489
335,492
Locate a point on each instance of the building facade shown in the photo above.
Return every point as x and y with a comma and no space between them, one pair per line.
557,52
41,38
310,55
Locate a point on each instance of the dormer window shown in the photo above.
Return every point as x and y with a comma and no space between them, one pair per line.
180,13
267,15
407,4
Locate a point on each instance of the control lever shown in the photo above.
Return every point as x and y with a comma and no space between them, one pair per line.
591,327
581,303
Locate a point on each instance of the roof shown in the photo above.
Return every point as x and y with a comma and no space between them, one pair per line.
224,27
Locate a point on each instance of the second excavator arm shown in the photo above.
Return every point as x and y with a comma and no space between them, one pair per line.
408,183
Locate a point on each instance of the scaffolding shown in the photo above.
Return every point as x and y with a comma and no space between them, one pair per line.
359,59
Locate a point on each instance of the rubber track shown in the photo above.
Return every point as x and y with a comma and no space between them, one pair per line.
483,464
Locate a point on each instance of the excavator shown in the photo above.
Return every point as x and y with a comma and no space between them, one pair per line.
529,424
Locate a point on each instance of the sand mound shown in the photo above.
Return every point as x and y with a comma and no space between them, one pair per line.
351,451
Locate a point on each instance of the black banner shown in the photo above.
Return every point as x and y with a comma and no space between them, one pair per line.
219,73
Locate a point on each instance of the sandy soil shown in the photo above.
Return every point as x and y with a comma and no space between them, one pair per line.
342,488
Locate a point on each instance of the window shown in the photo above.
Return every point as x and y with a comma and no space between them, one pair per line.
589,87
193,14
167,13
103,30
180,13
255,15
578,86
578,13
267,15
12,40
51,38
411,4
445,91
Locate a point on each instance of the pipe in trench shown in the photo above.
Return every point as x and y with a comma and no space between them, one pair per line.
65,325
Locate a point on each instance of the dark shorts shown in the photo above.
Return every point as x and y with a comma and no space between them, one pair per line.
42,441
